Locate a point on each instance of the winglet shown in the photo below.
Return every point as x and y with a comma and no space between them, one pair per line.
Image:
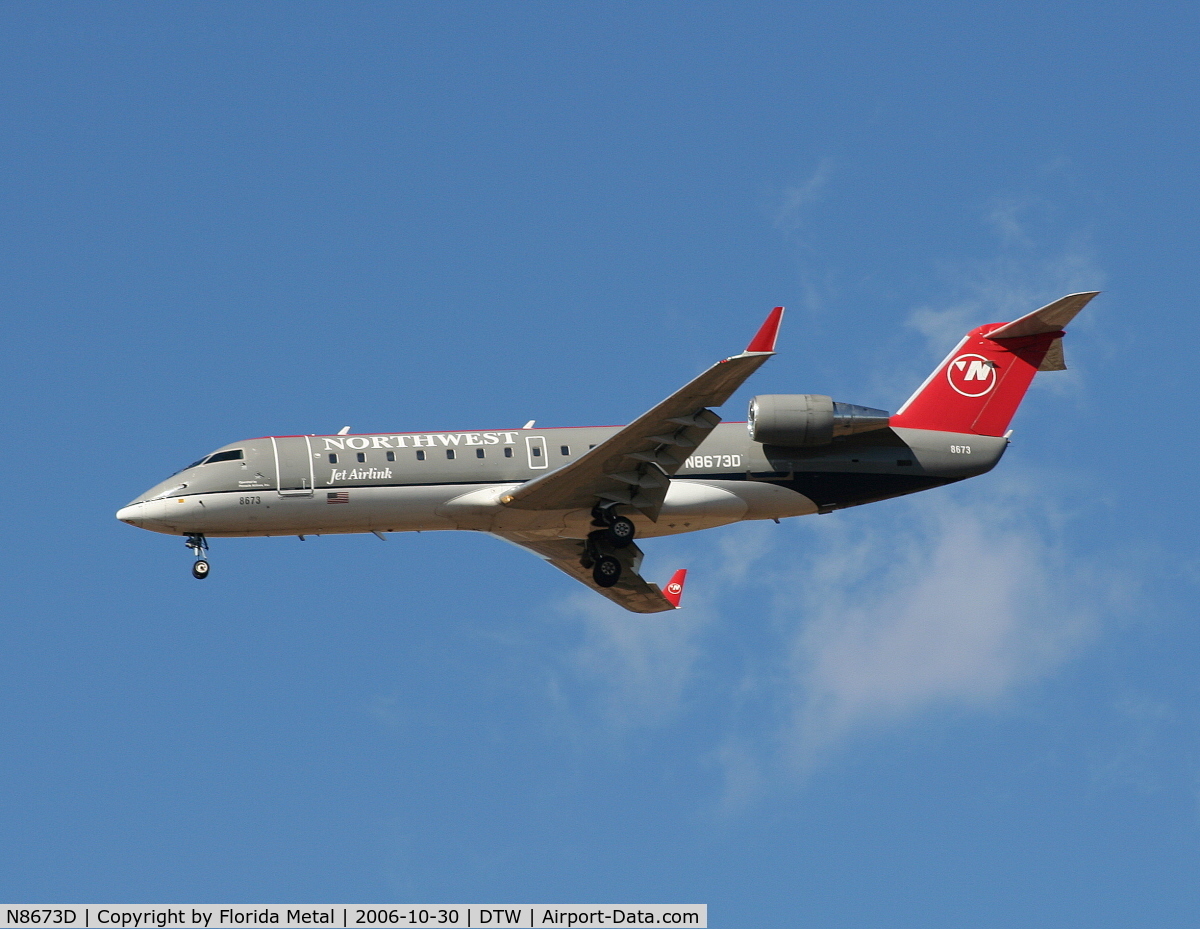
674,589
765,340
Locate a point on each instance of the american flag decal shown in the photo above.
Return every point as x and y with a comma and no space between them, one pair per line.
338,496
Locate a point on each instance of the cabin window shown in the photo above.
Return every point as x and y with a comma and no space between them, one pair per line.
420,454
450,453
565,450
391,456
537,452
479,453
508,453
234,454
362,456
333,459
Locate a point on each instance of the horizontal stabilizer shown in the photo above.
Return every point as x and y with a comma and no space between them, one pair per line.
1053,317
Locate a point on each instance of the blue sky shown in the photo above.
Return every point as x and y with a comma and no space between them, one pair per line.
976,706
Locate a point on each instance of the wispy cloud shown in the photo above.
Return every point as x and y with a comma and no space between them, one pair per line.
941,605
1024,274
635,668
792,211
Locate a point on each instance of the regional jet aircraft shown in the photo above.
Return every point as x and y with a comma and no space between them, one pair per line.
579,496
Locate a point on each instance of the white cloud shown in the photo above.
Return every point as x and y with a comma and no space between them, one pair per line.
936,605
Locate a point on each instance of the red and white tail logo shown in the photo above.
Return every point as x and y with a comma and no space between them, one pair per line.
972,375
674,589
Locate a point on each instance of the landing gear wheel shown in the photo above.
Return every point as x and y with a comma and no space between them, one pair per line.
607,571
198,544
620,532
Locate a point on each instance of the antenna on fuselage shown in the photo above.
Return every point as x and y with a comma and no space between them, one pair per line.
529,425
343,430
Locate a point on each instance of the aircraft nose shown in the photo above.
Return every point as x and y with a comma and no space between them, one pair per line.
131,514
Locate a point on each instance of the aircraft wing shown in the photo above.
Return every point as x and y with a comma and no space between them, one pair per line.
635,466
631,591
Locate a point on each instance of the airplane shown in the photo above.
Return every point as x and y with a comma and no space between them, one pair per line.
578,497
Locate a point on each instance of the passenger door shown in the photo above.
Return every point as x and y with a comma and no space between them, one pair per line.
293,465
535,446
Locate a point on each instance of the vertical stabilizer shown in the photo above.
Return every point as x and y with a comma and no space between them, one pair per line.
979,386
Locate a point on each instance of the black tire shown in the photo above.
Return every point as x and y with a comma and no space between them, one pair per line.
200,569
607,571
620,532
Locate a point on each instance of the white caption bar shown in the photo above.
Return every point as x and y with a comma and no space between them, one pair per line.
358,916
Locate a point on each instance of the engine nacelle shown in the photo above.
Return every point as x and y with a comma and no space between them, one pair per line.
808,419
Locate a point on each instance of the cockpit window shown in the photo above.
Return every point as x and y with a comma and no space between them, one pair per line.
234,454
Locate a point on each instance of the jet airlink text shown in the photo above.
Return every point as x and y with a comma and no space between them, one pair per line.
359,474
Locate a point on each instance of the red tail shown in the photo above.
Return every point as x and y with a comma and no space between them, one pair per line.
981,383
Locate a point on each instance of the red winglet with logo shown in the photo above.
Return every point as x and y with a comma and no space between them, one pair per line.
981,383
674,589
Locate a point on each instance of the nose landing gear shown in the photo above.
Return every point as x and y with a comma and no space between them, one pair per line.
197,543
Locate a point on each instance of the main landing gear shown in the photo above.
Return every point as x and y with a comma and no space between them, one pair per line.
197,543
616,532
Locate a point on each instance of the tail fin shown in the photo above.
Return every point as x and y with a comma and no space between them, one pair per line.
981,383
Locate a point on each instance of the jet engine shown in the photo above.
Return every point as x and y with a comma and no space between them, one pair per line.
808,419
